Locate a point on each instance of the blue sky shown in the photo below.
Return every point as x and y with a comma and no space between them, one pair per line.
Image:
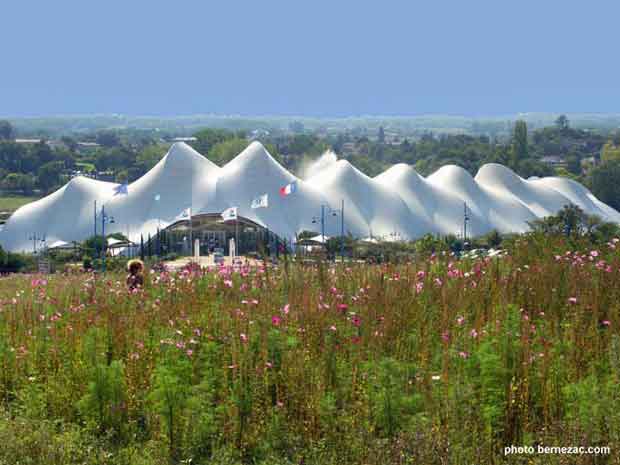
318,58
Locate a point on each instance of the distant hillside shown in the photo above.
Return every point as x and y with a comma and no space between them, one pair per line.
493,126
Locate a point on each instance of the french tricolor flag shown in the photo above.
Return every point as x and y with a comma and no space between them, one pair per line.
288,189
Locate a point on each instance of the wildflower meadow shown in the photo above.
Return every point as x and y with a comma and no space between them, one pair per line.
434,361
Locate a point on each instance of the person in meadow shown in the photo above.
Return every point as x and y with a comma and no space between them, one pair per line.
135,278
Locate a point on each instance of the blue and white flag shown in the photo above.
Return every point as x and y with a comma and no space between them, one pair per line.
262,201
187,213
230,214
121,189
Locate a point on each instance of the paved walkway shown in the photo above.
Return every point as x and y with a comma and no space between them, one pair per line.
205,261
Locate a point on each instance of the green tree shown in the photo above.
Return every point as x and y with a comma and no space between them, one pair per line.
70,143
12,156
610,152
223,152
149,156
604,182
519,143
42,153
108,139
207,138
561,122
10,262
114,159
18,182
530,167
573,164
6,130
49,174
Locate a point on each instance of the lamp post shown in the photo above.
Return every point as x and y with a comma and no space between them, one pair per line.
104,219
465,221
95,236
395,236
322,218
35,238
157,198
342,230
334,212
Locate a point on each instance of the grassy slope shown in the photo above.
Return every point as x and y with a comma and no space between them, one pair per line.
430,362
11,203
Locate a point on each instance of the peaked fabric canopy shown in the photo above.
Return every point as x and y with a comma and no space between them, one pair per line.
397,203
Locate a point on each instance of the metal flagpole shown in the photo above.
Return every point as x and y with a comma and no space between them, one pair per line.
323,223
191,238
191,203
103,234
465,220
342,231
236,234
95,236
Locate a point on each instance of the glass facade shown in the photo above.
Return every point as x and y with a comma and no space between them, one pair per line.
213,234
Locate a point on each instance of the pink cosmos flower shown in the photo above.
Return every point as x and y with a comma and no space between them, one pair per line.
243,337
332,328
463,354
356,320
189,352
606,323
473,333
276,320
460,320
572,300
445,336
286,309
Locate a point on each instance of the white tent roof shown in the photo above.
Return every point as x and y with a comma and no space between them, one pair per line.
398,201
320,239
59,245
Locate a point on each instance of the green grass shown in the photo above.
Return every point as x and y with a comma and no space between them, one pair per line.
437,361
87,167
13,202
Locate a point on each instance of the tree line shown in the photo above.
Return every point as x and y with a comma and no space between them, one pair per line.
589,157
